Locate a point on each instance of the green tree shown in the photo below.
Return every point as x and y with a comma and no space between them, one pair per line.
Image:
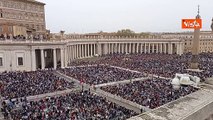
125,32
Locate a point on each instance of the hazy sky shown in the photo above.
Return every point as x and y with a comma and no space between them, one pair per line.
83,16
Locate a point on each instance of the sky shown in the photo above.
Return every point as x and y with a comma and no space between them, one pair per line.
89,16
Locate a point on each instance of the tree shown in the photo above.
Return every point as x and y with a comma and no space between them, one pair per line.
125,32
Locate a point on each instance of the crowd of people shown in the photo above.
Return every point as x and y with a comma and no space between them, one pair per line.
73,106
8,37
99,74
150,93
160,64
21,84
21,37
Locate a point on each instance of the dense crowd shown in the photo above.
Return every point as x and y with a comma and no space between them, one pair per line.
73,106
21,84
160,64
85,105
150,93
21,37
99,74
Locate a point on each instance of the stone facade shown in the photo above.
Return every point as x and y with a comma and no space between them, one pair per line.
206,40
26,13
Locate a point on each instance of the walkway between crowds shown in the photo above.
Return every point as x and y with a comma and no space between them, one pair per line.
57,93
122,102
122,82
149,75
113,98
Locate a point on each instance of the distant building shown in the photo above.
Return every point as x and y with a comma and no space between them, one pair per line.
206,40
22,17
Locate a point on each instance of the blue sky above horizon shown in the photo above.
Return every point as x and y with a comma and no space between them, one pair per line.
86,16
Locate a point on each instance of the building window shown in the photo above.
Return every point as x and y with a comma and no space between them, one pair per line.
1,29
10,29
1,61
20,61
1,13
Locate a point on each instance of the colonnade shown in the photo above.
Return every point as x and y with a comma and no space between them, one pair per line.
76,51
65,52
57,54
81,51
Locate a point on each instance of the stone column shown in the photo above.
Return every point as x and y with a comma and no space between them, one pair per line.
130,47
161,48
133,49
99,49
81,50
42,59
112,48
108,48
157,50
88,50
85,50
153,48
94,49
170,48
145,50
33,60
116,47
68,53
74,49
181,48
126,47
77,51
54,59
62,58
122,48
165,48
119,48
149,48
72,52
91,50
105,48
65,57
137,47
